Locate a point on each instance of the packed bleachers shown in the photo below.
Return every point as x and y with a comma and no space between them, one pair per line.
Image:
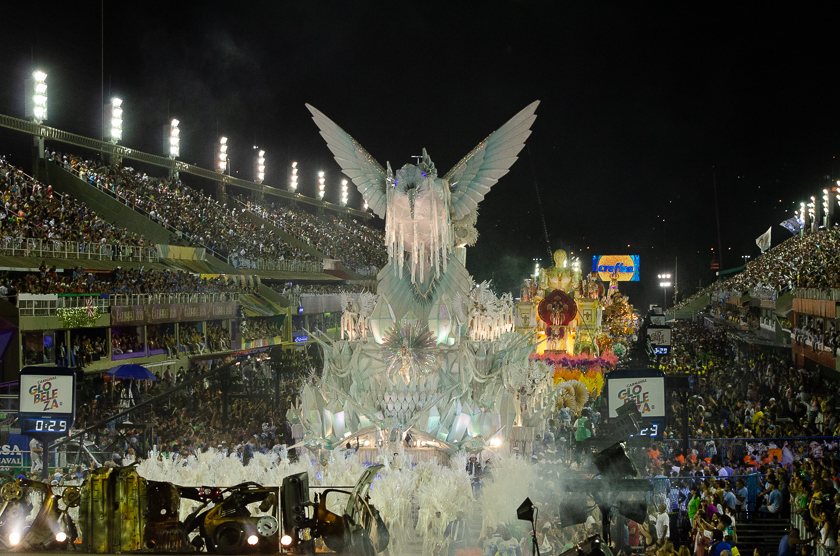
120,281
191,420
194,216
808,261
360,246
223,229
33,212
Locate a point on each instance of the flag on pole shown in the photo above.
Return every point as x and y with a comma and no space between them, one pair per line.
792,225
763,241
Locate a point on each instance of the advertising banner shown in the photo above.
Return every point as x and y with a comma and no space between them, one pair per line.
172,312
648,393
46,394
659,335
624,268
14,456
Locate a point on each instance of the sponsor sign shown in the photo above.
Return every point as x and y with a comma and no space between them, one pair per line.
47,400
659,336
625,268
14,456
172,312
648,393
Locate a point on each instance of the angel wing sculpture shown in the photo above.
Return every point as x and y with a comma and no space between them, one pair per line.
427,216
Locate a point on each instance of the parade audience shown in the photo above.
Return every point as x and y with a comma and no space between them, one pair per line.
32,211
121,281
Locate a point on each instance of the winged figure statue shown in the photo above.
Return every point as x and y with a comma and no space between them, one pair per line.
427,217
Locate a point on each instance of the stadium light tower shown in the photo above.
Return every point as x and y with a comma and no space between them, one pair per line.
293,178
321,186
221,156
344,193
665,283
260,166
365,205
172,139
36,97
116,111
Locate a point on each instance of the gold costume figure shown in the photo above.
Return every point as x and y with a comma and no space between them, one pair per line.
559,276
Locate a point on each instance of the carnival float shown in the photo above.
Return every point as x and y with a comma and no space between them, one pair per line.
434,362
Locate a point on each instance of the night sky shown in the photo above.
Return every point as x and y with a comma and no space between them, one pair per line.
641,105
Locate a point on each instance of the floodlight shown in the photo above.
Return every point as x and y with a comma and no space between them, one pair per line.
613,463
294,177
36,97
321,186
526,511
173,139
115,108
365,205
260,164
344,193
221,156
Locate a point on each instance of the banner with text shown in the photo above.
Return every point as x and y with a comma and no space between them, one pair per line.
172,312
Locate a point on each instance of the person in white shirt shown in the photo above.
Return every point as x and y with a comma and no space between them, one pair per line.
662,523
35,455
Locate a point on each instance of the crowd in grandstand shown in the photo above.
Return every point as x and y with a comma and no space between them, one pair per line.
357,245
191,418
195,216
32,211
321,289
120,281
227,230
260,327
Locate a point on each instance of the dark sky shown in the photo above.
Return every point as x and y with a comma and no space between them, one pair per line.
641,103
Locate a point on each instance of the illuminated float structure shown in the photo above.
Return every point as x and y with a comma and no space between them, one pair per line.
433,363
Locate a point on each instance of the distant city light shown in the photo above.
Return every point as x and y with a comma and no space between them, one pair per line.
293,183
321,186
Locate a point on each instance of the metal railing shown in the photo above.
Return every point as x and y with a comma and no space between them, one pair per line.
43,248
764,293
34,305
273,264
827,294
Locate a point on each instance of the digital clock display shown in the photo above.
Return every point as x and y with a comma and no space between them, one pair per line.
57,426
47,401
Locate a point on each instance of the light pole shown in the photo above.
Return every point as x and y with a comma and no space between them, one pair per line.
322,187
115,108
221,156
35,105
344,193
293,178
746,258
665,283
260,166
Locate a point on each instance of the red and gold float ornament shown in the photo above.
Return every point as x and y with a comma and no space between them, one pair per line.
557,309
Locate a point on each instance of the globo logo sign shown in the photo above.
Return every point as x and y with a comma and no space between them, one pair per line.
625,266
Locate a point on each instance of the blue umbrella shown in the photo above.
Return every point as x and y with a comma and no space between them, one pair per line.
136,372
